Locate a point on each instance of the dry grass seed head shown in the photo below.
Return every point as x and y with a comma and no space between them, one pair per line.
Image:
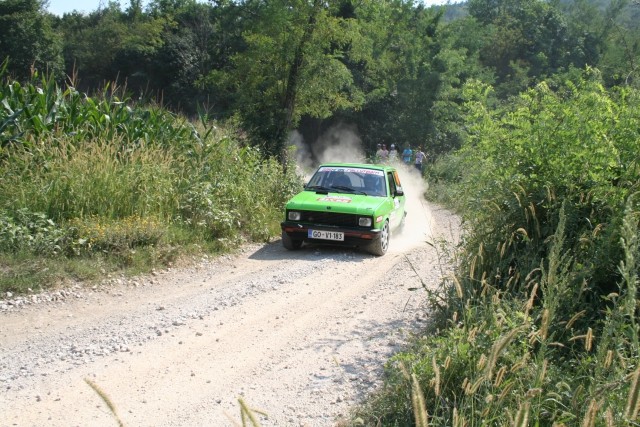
529,276
522,417
482,362
500,376
419,405
472,388
574,318
544,327
404,371
543,371
633,399
517,366
609,359
485,287
588,342
106,400
458,286
502,248
458,421
495,299
436,371
590,417
588,339
523,232
505,391
608,417
472,267
498,348
471,337
529,305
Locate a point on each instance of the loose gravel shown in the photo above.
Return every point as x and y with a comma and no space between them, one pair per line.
302,336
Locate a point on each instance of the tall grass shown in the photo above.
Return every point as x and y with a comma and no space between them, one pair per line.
540,324
107,179
67,180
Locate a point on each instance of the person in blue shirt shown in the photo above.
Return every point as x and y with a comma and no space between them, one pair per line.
406,155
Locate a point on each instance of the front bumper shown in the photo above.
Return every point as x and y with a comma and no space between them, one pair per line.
352,236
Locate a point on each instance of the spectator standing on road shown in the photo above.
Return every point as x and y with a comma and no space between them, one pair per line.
378,153
407,154
420,156
393,153
384,155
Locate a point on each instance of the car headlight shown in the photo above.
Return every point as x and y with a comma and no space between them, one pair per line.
294,216
364,222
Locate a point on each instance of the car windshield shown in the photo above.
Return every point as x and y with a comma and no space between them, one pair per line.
348,180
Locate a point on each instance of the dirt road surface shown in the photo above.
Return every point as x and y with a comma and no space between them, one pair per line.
301,335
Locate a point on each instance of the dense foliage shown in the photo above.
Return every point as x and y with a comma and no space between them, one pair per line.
540,325
109,180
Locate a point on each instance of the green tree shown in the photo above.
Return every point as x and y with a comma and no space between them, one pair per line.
529,41
614,33
111,45
28,39
457,62
185,56
292,66
392,65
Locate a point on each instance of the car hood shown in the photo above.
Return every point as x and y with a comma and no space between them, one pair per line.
336,202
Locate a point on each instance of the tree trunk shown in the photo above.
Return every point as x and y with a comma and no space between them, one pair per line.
289,100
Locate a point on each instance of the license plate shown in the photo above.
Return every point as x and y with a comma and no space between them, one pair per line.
326,235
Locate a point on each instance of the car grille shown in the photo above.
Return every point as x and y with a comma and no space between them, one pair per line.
330,218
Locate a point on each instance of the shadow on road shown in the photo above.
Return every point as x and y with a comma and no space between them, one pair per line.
274,251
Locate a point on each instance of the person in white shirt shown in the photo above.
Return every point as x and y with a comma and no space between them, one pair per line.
378,153
384,155
393,153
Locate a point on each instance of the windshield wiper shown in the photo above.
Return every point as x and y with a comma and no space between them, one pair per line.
349,189
317,188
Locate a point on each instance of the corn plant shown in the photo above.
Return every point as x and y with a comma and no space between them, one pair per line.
110,177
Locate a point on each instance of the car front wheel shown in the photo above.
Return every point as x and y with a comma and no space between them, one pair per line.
290,243
380,246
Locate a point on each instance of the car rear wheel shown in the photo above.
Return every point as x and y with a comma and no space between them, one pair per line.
289,243
380,247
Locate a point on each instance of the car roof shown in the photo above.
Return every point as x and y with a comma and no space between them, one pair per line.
359,165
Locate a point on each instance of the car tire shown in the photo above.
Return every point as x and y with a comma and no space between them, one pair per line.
379,247
289,243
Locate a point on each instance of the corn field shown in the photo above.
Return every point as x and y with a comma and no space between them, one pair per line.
104,176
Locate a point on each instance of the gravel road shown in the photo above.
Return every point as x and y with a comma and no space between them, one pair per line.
301,336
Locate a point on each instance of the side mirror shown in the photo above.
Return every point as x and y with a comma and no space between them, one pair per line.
399,192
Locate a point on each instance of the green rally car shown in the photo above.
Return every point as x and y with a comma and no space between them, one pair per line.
347,204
